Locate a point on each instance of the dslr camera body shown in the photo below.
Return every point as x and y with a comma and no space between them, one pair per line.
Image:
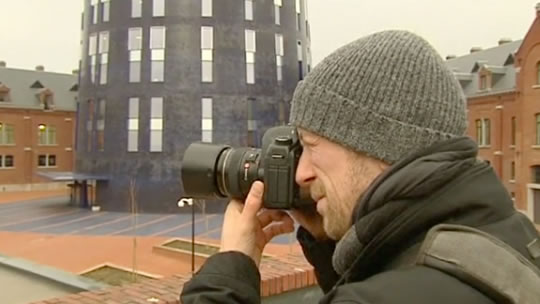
218,171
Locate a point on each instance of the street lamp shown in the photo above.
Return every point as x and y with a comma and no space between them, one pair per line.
189,202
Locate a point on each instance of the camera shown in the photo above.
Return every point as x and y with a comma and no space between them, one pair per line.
212,171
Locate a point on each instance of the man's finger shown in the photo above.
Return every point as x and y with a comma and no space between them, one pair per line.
234,206
268,216
254,199
278,228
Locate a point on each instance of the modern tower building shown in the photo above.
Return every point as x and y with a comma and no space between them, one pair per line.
156,75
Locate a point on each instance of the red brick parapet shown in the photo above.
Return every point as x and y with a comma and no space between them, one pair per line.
278,275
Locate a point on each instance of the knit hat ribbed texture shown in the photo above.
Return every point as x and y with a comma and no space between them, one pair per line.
386,95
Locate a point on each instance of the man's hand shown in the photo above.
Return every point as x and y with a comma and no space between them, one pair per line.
247,230
311,220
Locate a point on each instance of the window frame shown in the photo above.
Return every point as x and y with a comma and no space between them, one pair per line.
48,158
3,162
538,73
4,137
45,134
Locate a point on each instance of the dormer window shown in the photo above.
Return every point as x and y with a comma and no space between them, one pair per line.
46,98
484,82
4,93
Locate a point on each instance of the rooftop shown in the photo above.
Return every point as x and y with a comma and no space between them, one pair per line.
499,61
30,89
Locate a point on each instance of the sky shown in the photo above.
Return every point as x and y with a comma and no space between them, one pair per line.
47,32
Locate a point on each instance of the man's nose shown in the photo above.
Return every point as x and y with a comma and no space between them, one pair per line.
304,171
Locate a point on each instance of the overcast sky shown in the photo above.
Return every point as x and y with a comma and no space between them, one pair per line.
46,32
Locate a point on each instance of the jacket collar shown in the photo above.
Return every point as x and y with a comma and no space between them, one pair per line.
438,184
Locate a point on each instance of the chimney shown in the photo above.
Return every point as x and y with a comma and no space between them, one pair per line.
3,64
40,68
504,41
475,49
451,56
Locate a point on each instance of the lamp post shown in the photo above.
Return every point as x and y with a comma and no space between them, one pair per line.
181,203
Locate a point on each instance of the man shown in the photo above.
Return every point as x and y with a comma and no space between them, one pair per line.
382,122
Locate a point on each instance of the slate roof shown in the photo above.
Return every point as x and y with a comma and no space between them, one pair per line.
25,84
498,60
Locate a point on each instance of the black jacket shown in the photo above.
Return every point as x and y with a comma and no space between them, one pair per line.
442,184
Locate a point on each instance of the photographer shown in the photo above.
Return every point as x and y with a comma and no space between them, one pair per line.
382,122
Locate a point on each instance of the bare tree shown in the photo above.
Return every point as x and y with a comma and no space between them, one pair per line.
134,212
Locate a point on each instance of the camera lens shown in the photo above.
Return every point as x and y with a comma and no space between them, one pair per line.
218,171
199,170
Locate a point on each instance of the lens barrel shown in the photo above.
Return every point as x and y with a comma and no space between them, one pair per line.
200,170
218,171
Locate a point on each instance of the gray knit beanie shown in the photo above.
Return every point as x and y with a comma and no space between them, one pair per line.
386,95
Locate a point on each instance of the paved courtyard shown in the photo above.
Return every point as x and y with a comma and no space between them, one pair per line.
54,216
50,232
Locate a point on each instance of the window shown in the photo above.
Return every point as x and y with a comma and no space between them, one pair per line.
483,132
299,4
487,132
206,8
7,134
512,171
46,160
101,125
133,125
158,8
92,53
46,98
104,56
479,132
248,7
136,8
7,161
251,123
207,122
90,126
157,46
156,124
537,130
484,82
513,130
299,54
135,54
4,93
46,135
536,174
207,53
308,59
106,10
538,73
250,56
94,9
277,11
279,57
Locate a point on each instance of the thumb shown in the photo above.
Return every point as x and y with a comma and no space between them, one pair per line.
254,199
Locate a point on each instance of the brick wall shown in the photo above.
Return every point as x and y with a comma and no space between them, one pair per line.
278,275
26,148
523,104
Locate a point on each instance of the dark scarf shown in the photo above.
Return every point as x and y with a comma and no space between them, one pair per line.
403,203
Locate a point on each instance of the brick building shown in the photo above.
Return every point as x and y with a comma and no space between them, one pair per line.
37,126
502,85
